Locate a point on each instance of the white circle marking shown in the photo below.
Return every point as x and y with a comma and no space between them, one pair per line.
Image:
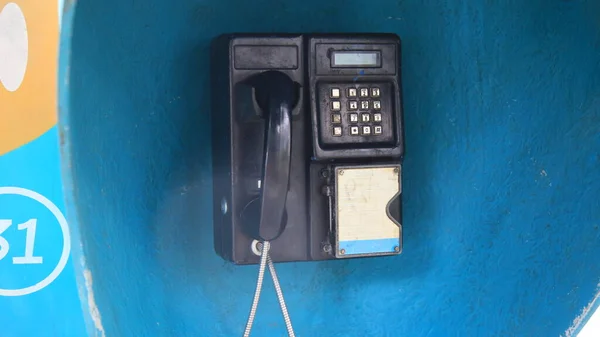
64,226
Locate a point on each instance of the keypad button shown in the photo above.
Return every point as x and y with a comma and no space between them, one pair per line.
352,105
337,131
336,105
335,93
377,130
366,130
377,117
377,105
336,118
351,92
365,117
374,92
354,130
364,105
353,118
364,92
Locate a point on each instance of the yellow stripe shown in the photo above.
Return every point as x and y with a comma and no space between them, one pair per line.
28,112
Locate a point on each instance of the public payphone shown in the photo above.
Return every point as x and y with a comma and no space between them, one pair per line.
307,139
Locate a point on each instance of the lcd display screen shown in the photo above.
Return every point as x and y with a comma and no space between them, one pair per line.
362,59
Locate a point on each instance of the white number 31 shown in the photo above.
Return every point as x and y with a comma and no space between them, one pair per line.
28,258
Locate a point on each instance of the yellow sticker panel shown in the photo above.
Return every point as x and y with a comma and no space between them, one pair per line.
362,196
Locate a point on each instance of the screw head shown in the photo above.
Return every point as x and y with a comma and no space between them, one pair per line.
341,172
324,173
396,170
343,251
327,248
396,248
224,206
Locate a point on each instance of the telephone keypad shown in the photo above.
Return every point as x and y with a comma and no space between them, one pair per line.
356,113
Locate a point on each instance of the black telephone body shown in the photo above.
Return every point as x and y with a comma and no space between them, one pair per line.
307,146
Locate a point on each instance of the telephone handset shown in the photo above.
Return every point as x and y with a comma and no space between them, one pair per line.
307,146
276,96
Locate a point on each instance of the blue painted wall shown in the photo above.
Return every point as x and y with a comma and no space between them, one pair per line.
502,215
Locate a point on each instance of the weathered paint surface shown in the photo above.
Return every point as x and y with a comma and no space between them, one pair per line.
502,215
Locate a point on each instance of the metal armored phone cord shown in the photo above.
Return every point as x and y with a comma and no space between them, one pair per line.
265,259
284,311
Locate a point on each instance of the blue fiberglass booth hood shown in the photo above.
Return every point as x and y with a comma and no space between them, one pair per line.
470,149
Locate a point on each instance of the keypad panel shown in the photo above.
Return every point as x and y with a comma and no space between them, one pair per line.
355,113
